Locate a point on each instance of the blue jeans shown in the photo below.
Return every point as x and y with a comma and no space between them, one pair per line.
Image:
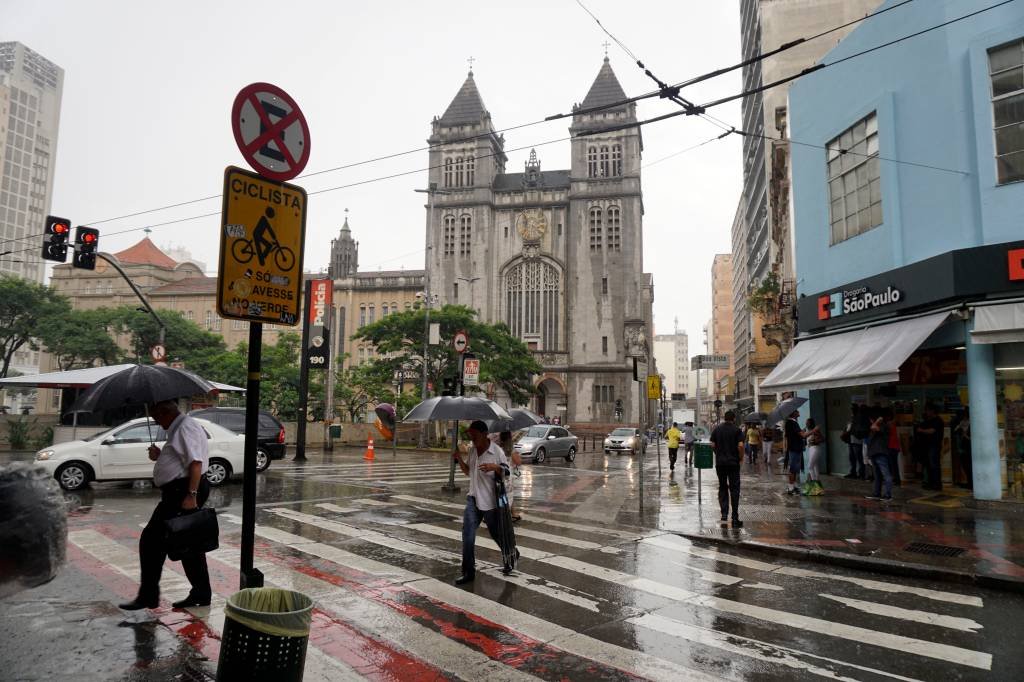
471,518
881,464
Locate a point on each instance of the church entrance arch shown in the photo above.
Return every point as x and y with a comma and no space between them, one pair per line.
551,400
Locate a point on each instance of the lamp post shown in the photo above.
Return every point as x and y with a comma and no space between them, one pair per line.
430,192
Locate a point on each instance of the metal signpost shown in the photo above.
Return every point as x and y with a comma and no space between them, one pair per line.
654,393
262,240
460,342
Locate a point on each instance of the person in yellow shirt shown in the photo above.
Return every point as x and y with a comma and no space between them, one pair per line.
672,436
753,442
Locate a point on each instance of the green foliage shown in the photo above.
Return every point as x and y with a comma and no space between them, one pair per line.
17,432
80,338
357,387
764,298
279,389
44,438
23,305
504,360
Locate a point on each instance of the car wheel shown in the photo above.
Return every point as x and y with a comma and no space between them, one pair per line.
262,460
73,476
219,472
571,455
540,456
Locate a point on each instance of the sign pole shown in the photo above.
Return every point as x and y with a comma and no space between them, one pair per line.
300,427
329,379
460,342
249,576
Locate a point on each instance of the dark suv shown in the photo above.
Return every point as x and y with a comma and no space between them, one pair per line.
269,442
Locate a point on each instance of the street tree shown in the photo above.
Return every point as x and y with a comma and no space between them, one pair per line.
23,305
80,338
505,361
357,387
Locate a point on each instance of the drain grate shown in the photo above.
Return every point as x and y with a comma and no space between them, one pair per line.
934,550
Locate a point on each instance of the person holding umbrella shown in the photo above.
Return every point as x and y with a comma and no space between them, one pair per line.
486,464
179,473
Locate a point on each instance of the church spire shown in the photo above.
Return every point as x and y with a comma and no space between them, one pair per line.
467,107
344,253
605,90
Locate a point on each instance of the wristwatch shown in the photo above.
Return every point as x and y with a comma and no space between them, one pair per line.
193,493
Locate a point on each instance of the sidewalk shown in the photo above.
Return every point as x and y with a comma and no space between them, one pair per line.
923,534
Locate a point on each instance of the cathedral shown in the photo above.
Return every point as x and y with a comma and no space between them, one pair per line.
557,255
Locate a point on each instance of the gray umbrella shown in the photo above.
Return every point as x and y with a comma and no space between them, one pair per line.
444,407
521,418
755,418
784,409
141,385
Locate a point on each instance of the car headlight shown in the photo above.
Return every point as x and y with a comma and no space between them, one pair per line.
607,442
526,447
631,442
44,455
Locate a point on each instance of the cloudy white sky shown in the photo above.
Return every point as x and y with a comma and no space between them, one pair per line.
148,90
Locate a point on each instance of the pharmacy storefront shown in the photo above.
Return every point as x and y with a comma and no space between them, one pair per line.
948,331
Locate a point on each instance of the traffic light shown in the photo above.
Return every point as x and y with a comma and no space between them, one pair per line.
450,384
55,239
87,240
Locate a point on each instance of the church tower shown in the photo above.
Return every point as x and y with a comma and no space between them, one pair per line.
344,253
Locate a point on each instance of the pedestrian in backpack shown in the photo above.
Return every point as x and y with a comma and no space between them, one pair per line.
795,444
815,454
727,441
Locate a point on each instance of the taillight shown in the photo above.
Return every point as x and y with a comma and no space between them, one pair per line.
280,435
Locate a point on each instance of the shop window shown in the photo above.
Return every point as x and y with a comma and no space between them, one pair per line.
1006,71
854,180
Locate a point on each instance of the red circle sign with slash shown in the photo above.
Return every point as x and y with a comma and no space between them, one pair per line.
271,131
460,342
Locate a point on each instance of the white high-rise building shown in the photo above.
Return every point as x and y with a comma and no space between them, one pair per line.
671,355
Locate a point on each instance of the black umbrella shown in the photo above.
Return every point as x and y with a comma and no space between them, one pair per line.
141,385
755,418
784,409
521,419
446,407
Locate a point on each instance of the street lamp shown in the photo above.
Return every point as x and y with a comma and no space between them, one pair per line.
430,192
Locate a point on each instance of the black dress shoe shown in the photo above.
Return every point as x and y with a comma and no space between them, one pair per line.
736,523
190,601
139,603
463,579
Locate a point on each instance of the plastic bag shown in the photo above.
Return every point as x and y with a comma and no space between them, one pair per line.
33,527
272,611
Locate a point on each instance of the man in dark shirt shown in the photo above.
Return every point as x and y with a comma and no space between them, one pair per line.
796,443
727,441
932,429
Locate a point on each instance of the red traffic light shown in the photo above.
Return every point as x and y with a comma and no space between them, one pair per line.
61,228
88,238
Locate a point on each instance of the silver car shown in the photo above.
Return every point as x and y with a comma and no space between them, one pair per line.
546,440
625,439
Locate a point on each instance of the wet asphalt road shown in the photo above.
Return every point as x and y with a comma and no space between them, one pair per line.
602,593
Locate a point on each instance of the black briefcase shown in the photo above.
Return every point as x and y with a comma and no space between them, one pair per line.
192,532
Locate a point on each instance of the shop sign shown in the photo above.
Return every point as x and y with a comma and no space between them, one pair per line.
855,301
934,367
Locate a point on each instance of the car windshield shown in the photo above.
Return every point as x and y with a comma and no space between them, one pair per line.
535,432
622,432
108,432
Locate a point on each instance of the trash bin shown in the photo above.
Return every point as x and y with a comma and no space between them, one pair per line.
335,431
266,631
703,456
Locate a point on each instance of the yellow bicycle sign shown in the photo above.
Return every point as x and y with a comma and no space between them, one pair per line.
262,235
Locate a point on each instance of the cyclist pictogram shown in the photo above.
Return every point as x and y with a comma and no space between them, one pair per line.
264,242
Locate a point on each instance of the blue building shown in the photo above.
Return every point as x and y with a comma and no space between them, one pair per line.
908,211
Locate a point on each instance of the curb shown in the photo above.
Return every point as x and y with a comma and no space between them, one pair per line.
875,565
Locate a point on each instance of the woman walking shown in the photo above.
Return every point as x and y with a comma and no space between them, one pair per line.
815,453
753,443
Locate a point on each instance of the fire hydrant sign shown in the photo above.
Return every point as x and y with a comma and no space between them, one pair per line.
262,238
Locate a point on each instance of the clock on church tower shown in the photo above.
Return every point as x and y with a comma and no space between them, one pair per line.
531,225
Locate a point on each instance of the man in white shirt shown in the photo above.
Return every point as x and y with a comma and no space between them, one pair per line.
179,473
486,461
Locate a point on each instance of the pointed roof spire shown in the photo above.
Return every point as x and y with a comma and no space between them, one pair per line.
606,88
345,227
467,107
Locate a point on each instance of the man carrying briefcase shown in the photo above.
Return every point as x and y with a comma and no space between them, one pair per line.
179,473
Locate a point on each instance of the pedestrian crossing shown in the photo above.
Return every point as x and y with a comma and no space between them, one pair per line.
589,602
395,474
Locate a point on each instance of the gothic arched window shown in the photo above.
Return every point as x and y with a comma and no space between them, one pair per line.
604,163
533,302
470,171
617,160
465,234
596,231
614,229
448,178
449,235
592,162
459,172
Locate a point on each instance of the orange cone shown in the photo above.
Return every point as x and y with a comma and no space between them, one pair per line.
369,449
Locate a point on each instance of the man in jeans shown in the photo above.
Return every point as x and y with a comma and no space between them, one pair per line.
932,429
727,441
796,443
878,452
486,461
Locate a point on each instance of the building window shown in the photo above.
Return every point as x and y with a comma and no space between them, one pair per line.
459,171
604,285
371,314
408,305
449,235
362,315
592,162
617,159
614,229
448,173
533,302
455,293
1006,66
209,320
384,311
854,182
465,235
559,229
604,393
190,315
604,345
605,171
470,171
506,232
596,233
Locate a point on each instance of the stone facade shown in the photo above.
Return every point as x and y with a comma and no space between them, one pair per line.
557,255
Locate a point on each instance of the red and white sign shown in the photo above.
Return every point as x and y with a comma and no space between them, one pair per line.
471,372
460,342
318,320
158,353
271,131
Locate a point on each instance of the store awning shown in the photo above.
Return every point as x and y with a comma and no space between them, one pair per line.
998,323
872,355
79,378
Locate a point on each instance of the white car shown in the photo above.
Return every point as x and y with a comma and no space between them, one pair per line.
121,454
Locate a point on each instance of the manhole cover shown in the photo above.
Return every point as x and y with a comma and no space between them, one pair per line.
934,550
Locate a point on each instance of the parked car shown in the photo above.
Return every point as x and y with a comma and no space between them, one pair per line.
546,440
625,439
269,442
122,454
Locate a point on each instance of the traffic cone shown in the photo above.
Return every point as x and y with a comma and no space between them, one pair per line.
369,449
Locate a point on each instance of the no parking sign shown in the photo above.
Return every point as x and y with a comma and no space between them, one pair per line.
271,131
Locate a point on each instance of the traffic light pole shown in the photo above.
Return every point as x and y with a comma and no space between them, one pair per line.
250,576
450,486
113,263
300,426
